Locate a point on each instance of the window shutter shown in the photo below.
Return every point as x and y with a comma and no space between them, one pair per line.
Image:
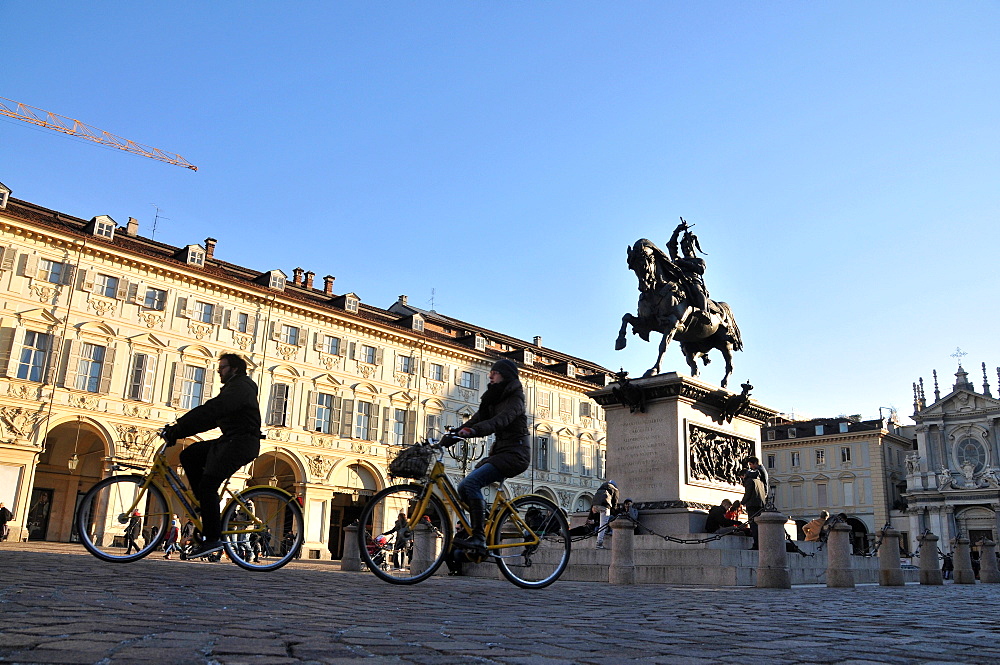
229,320
317,341
217,315
423,368
335,416
69,274
182,308
373,424
136,293
206,394
30,265
87,281
458,377
276,330
342,347
353,348
347,419
311,412
410,427
378,356
386,419
147,378
252,324
303,337
107,370
6,350
475,381
7,256
72,362
176,385
123,289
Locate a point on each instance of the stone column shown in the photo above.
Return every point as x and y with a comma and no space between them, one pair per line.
352,556
889,571
772,562
963,561
988,573
622,569
838,551
424,548
930,571
914,531
948,526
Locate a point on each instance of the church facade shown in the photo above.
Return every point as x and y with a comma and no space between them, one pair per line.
106,336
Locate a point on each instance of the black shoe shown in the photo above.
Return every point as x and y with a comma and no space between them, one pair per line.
205,549
477,543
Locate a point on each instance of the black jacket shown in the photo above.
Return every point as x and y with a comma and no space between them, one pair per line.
505,417
234,410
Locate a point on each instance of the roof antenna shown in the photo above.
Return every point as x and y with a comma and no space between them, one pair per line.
155,220
432,299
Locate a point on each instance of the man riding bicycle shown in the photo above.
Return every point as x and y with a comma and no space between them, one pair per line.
208,464
501,412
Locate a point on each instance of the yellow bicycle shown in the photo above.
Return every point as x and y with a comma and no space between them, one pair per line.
527,536
125,517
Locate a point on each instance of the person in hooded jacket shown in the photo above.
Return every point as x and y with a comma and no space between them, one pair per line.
502,413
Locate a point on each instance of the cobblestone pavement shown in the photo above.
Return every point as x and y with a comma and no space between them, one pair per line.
60,605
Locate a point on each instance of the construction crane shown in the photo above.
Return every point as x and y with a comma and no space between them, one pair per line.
61,123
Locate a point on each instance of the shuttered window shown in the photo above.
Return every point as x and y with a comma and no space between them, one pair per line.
34,355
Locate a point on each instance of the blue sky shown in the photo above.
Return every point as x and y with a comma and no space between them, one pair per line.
840,159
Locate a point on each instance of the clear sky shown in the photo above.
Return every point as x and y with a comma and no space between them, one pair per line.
840,161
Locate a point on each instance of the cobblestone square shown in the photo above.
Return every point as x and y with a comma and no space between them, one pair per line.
60,605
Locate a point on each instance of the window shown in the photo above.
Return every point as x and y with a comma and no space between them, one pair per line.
89,366
585,409
398,436
822,500
565,405
770,435
468,380
792,433
480,343
155,299
203,311
601,455
324,414
140,378
844,427
242,322
433,429
277,408
33,356
404,364
351,304
196,257
192,386
289,335
277,281
849,493
797,496
586,461
104,228
771,461
543,399
51,271
845,454
795,458
820,456
368,354
330,345
565,456
364,425
542,453
819,430
435,372
106,285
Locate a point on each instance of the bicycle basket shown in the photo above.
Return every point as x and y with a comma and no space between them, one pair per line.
412,462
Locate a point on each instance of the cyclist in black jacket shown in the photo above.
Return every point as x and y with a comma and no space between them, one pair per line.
210,463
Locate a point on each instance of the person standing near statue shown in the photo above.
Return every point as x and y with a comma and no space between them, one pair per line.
814,529
605,501
5,516
754,479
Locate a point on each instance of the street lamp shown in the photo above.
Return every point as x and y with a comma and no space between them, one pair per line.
466,451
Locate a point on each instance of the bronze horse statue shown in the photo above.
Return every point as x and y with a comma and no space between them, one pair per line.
665,306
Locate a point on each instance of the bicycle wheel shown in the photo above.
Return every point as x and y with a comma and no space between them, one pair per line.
271,537
107,529
411,556
523,561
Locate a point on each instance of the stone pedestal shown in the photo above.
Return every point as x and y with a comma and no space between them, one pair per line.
930,571
677,455
890,573
838,545
988,573
772,569
963,561
352,555
425,545
622,570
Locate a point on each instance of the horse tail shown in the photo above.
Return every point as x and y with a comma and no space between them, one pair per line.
730,322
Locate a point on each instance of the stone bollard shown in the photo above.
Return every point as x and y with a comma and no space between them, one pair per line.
772,559
963,561
889,571
930,571
424,548
839,573
988,573
352,555
622,570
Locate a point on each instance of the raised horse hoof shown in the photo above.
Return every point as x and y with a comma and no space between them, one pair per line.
620,343
650,372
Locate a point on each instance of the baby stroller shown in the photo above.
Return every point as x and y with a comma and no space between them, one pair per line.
380,550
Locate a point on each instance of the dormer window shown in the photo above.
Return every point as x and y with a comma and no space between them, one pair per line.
480,343
791,433
4,195
418,323
193,255
104,227
277,281
843,428
351,303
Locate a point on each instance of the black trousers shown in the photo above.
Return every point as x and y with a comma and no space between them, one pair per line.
208,464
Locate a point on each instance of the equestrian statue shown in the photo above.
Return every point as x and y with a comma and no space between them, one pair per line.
673,301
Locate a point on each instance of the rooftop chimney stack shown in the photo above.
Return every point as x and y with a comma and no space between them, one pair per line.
297,276
538,341
133,227
210,247
310,275
328,284
402,300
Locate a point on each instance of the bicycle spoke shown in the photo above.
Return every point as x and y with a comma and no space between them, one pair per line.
118,521
530,542
262,529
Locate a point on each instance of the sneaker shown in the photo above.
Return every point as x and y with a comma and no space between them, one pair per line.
205,549
601,546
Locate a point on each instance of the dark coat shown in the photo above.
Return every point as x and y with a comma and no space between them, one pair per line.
717,519
504,415
234,410
606,496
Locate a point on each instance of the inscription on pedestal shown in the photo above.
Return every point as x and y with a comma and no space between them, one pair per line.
637,441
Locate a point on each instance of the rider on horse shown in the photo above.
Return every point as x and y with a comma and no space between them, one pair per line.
691,267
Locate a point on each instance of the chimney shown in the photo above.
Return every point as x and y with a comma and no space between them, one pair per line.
538,340
133,227
310,275
402,300
328,284
297,276
210,247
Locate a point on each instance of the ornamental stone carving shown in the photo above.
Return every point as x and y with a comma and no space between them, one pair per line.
716,457
328,361
467,395
517,489
435,387
278,434
242,340
199,329
19,421
24,391
287,351
367,371
89,402
319,467
132,440
136,411
42,291
102,306
565,497
151,319
323,442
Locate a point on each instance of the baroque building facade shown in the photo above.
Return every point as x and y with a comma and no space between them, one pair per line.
953,477
106,336
842,465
